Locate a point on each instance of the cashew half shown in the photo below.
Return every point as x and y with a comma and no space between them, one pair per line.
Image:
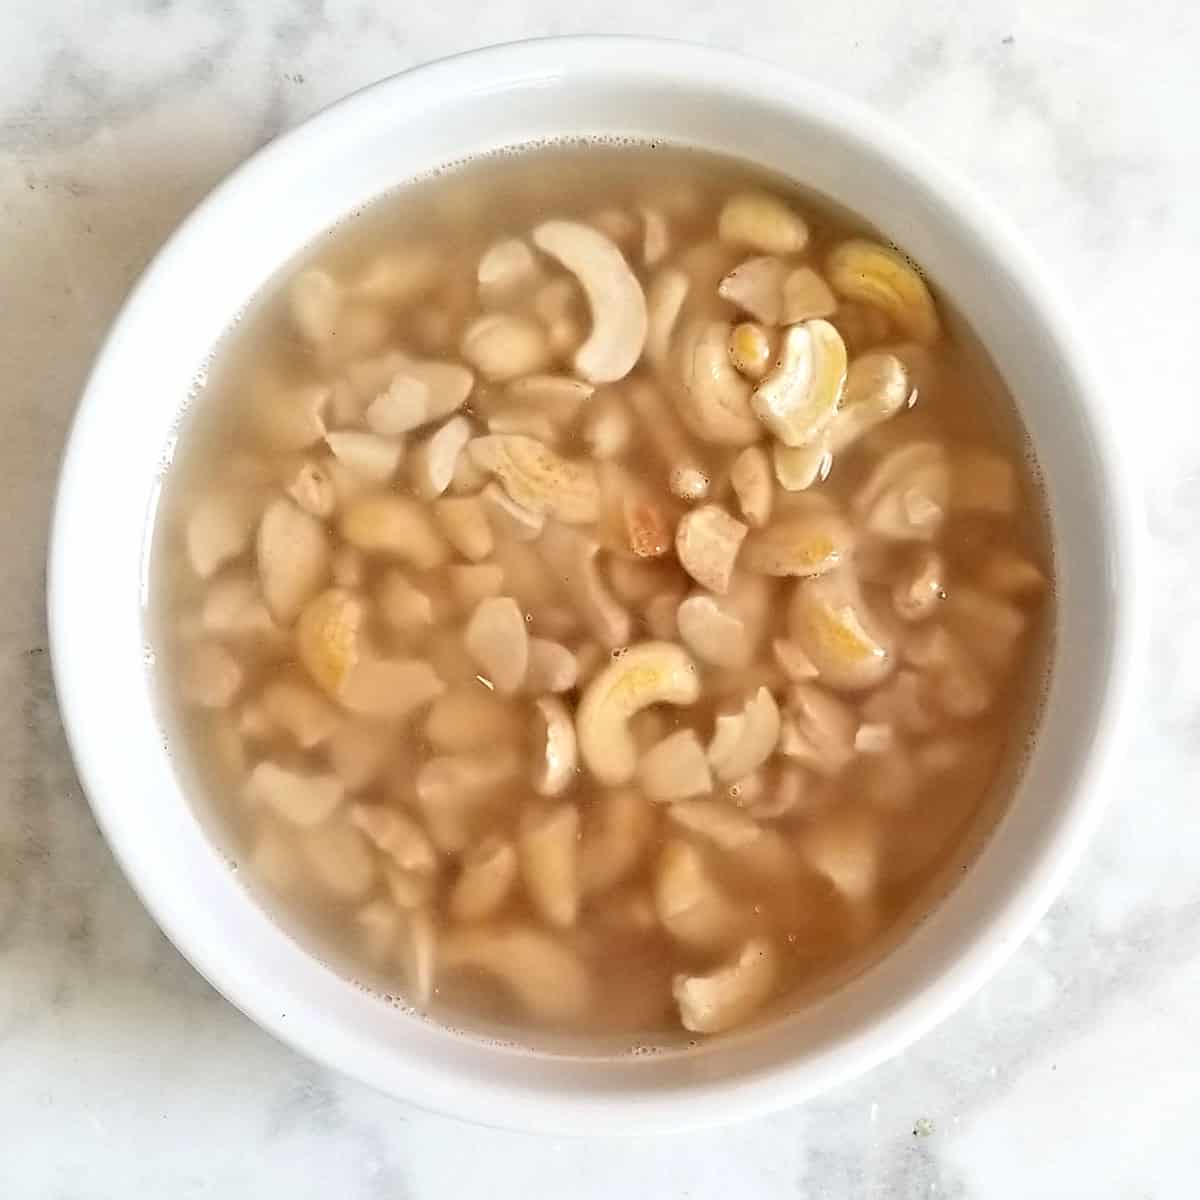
744,740
489,871
537,478
219,528
397,527
690,904
556,747
616,834
718,1001
707,541
418,393
293,558
431,464
368,455
877,387
497,638
688,476
806,296
548,853
300,798
664,302
907,496
818,730
759,220
830,621
798,399
756,287
614,296
750,478
675,768
645,674
571,555
884,278
502,346
715,400
804,544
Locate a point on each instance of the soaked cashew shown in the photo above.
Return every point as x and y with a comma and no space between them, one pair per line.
571,555
328,638
656,236
300,798
750,349
830,621
289,419
210,677
464,521
691,906
340,858
219,529
315,301
544,976
505,267
432,462
797,401
502,346
293,558
486,881
715,400
475,582
796,665
817,730
707,541
729,995
471,717
617,830
397,835
395,527
538,479
358,751
302,713
614,296
548,853
418,954
804,544
750,478
920,588
419,393
368,455
508,518
806,296
390,688
497,638
664,302
559,397
907,496
555,746
552,667
756,287
715,633
745,739
877,387
878,276
645,674
403,606
797,468
845,849
687,475
727,827
759,220
453,790
311,487
608,427
1009,574
675,768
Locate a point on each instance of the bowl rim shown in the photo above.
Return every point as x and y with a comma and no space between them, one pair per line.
1027,898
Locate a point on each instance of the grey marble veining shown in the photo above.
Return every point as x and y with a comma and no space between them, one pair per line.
1075,1073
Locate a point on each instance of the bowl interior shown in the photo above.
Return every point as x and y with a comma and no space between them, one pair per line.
286,197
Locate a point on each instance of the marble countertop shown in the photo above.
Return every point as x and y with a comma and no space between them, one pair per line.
1075,1073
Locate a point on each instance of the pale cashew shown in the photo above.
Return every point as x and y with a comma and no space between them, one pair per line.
390,688
750,478
219,528
797,468
289,419
470,717
846,849
397,835
548,853
615,224
432,462
418,393
300,798
690,904
559,397
645,674
464,521
636,580
804,544
497,638
798,399
608,427
907,700
418,954
340,859
368,455
675,768
818,730
907,496
474,582
537,478
396,527
712,633
348,567
489,871
750,349
555,747
505,267
571,555
527,422
315,300
614,295
664,302
830,621
884,278
508,518
796,665
656,236
715,400
716,821
552,667
707,541
293,558
401,275
405,607
759,220
311,487
877,387
806,296
756,287
502,346
453,789
303,714
616,834
688,476
984,483
729,995
991,625
358,752
211,677
744,740
274,858
920,588
546,978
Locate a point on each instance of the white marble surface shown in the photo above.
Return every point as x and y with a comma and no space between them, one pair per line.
1076,1073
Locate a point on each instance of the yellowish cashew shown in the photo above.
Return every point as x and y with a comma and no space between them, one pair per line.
884,278
540,480
614,295
715,401
645,674
798,399
762,222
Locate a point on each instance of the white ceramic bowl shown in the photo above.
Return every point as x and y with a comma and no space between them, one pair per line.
284,197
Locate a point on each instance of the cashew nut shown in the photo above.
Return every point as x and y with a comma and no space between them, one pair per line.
817,730
907,496
432,462
368,455
559,397
645,674
303,714
797,666
798,399
471,717
675,768
715,400
832,624
803,544
211,676
287,419
546,978
489,871
508,518
497,638
555,746
552,667
920,588
357,752
750,349
293,558
548,853
614,296
990,624
716,821
877,387
713,633
707,541
540,480
744,740
664,302
418,393
691,906
616,834
756,287
750,478
1009,574
219,529
762,222
571,555
397,835
315,300
453,789
474,582
502,346
608,427
797,468
390,688
298,797
311,487
806,296
688,476
878,276
505,267
340,859
729,995
464,521
846,849
396,527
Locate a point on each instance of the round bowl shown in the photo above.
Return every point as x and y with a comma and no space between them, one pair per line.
333,164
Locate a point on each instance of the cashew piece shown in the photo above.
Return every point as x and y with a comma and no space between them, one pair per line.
548,853
540,480
432,462
293,558
744,740
502,346
556,747
664,302
397,527
418,393
688,476
798,399
750,478
803,544
497,638
884,278
691,906
645,674
907,496
614,296
756,287
219,528
300,798
211,676
571,555
806,296
368,455
707,541
750,349
715,400
718,1001
505,266
488,874
831,623
762,222
818,730
877,387
797,468
675,768
616,833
